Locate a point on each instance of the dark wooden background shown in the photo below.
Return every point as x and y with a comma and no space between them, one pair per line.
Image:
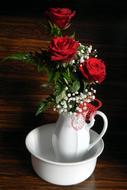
104,25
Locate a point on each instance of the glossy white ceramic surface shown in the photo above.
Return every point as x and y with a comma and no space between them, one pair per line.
71,138
39,144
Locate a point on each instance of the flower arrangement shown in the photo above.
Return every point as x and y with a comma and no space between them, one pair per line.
73,68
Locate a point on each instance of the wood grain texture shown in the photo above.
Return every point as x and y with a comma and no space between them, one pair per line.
20,92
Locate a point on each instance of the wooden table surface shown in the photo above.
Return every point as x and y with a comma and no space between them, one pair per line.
20,93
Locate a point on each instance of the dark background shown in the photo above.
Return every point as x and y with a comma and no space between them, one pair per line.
85,8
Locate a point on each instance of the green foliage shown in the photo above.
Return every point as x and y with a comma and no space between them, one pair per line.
44,104
54,30
73,35
25,57
42,107
60,96
75,86
39,59
67,76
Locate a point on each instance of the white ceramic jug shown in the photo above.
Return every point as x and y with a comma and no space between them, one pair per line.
71,138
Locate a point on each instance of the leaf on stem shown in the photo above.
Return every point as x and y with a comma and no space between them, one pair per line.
75,86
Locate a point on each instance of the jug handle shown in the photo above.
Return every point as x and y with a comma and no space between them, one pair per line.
105,125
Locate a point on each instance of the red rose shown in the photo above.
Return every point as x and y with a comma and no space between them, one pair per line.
60,16
93,69
63,48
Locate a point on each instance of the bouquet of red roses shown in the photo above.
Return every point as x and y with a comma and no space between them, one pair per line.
73,68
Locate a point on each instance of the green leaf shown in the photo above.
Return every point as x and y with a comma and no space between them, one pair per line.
75,86
50,76
27,58
18,56
57,76
66,81
41,67
73,35
44,104
39,59
54,29
61,96
58,88
67,76
50,24
42,107
53,76
85,85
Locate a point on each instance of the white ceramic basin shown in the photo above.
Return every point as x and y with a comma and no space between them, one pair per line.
38,143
